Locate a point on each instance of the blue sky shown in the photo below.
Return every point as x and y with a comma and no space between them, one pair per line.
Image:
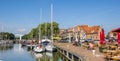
20,16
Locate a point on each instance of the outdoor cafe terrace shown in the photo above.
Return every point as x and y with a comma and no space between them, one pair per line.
100,51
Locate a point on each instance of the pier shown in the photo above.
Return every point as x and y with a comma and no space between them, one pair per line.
77,53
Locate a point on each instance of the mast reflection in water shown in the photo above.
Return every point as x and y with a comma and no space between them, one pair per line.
18,53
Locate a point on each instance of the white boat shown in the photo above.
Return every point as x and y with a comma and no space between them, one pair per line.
50,48
48,45
45,42
39,48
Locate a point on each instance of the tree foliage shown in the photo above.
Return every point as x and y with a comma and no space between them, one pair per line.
43,30
7,36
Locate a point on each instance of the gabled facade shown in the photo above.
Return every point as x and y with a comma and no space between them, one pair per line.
83,32
95,32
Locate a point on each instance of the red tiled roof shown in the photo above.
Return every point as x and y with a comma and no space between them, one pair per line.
95,29
86,28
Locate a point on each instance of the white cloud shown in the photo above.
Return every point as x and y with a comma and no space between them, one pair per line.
13,29
21,30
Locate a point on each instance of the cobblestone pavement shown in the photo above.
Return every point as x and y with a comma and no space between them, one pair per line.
87,54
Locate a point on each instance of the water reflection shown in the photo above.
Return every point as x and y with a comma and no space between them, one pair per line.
17,48
5,47
16,52
48,56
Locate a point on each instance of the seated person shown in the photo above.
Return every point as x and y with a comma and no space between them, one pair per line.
91,46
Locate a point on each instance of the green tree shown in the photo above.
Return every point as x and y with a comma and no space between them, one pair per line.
55,28
7,35
43,29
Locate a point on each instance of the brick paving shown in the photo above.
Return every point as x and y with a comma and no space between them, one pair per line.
87,54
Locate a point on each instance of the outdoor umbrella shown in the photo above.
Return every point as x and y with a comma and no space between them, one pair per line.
117,30
102,37
119,38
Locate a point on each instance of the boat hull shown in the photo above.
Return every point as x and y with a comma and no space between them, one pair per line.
39,50
50,48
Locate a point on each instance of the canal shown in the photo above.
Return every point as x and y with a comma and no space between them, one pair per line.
18,53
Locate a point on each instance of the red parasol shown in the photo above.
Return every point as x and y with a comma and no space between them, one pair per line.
119,38
117,30
102,37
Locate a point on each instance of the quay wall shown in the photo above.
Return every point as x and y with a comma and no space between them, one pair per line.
72,56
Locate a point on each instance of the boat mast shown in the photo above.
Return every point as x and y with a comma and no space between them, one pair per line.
51,22
46,30
2,33
40,23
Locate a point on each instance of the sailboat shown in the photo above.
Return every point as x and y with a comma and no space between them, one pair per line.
50,47
39,47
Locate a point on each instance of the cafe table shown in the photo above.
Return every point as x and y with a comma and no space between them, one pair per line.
116,57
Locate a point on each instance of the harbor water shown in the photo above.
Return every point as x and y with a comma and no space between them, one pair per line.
18,53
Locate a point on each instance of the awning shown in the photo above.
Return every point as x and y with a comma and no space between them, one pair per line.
116,30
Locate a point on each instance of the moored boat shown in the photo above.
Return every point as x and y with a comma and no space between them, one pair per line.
39,48
50,48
